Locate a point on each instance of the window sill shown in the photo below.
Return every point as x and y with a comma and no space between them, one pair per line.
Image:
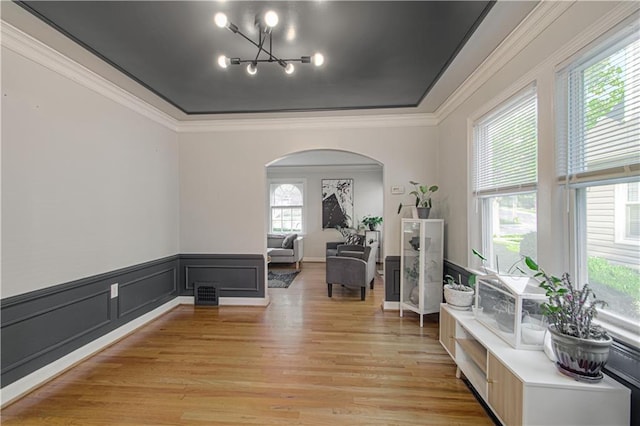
621,334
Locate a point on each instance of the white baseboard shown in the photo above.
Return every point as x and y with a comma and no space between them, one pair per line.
243,301
186,300
314,260
390,306
229,301
28,383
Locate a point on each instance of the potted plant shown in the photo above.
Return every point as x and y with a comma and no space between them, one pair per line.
372,222
473,277
423,198
456,294
581,347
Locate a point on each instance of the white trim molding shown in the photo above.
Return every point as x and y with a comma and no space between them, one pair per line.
21,387
337,122
390,306
34,50
531,27
28,383
243,301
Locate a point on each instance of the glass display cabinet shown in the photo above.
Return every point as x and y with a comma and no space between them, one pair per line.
510,306
421,246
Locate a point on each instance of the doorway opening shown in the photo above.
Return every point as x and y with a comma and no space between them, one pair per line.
298,184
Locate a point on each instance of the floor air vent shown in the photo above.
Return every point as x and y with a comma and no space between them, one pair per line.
206,294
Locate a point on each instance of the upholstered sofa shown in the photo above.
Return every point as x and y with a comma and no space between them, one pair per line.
285,249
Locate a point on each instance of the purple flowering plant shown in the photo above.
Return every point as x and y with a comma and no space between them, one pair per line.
569,309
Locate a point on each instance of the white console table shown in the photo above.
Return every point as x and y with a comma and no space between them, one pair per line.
523,387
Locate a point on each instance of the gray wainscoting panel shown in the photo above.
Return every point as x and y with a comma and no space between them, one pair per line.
42,326
456,271
624,366
392,276
29,336
234,275
138,293
392,279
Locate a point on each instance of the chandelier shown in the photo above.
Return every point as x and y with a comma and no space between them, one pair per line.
265,26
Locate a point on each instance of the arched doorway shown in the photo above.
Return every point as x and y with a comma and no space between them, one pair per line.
306,171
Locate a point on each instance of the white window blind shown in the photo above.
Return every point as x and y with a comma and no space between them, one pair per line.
505,147
599,125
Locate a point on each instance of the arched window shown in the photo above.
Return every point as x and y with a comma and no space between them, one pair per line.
287,204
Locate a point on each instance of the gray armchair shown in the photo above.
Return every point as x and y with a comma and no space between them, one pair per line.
350,268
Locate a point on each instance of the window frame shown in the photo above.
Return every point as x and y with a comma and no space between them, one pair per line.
482,199
621,217
301,183
576,181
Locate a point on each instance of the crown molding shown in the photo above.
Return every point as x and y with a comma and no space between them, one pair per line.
607,23
535,23
544,14
334,122
32,49
317,168
564,54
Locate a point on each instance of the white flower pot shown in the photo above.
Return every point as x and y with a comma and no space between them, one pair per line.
457,298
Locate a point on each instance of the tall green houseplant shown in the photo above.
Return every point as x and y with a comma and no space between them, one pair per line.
422,194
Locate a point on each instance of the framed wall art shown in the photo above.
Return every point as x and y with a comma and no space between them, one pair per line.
337,203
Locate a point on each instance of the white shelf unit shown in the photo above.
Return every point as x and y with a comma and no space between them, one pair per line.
523,387
421,266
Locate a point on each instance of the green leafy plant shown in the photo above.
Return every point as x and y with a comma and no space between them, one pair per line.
372,221
569,309
458,285
483,260
422,193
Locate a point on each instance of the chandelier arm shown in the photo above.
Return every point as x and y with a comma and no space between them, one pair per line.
245,61
270,46
260,48
262,38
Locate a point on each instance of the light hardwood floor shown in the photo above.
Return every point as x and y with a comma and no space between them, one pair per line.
303,360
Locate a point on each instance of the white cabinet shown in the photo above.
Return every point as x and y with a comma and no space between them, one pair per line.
522,387
421,266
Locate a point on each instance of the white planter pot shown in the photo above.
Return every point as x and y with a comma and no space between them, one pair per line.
457,298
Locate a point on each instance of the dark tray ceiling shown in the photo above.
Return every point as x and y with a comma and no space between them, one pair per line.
377,54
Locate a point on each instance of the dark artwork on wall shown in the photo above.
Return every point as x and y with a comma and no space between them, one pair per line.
337,203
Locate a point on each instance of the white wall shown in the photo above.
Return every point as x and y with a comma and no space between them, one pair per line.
223,177
367,194
536,62
88,185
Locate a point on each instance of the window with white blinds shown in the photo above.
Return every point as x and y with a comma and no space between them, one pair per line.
599,124
287,207
505,147
598,154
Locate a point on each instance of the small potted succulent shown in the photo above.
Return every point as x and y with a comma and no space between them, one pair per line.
423,198
581,348
456,294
